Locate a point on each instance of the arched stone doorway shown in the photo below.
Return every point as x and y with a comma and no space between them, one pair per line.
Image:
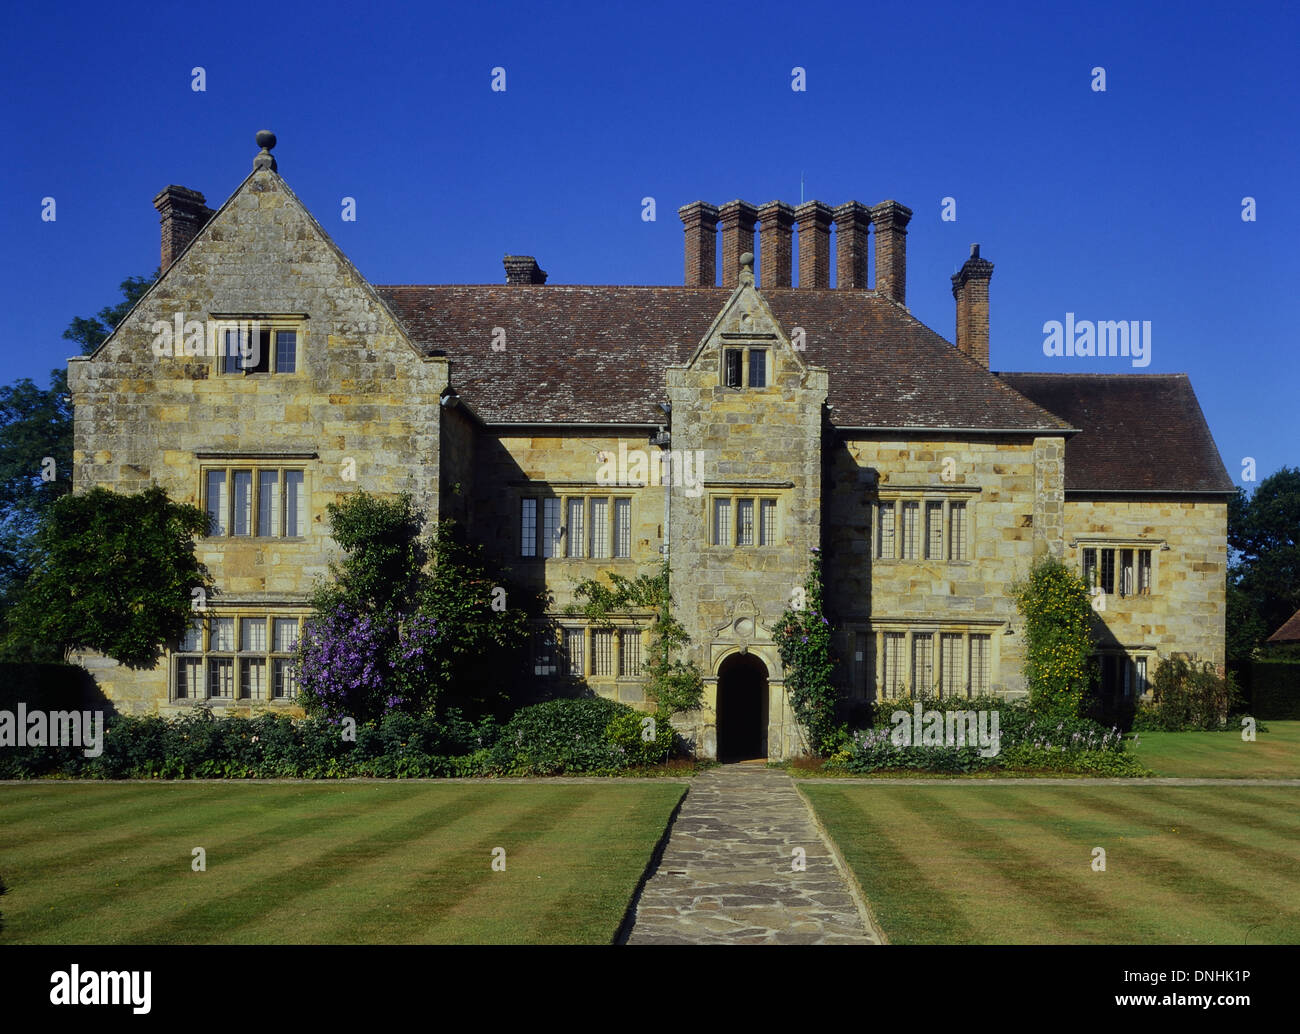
742,708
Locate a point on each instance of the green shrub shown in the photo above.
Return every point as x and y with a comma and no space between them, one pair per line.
559,736
1186,697
627,733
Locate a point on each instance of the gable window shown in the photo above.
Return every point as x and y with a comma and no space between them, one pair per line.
254,349
746,367
269,502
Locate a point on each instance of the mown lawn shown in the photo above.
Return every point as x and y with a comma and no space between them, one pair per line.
349,863
977,863
1222,755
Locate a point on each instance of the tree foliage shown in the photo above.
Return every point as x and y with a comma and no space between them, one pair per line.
1264,570
1058,640
403,627
36,427
803,637
111,573
675,685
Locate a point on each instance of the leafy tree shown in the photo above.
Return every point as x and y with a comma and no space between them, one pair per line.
392,632
803,637
35,427
675,685
1058,641
1264,572
111,573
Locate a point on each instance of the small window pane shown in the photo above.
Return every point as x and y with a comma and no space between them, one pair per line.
216,496
911,532
979,664
252,635
885,531
758,368
221,677
934,531
232,351
575,648
544,659
295,504
767,523
957,531
1108,571
922,665
622,527
286,351
286,635
600,528
223,635
550,526
193,639
952,673
285,687
602,648
243,502
629,653
744,522
722,522
732,362
252,678
1144,574
268,502
528,527
189,678
575,531
893,665
260,360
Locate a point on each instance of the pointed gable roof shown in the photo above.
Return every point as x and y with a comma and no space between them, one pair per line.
599,354
1289,632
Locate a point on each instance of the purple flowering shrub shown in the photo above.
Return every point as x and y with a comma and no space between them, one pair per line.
365,666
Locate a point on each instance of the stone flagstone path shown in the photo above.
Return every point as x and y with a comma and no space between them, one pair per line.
727,875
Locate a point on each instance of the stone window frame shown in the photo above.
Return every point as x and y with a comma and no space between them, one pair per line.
869,639
1134,680
268,323
746,349
733,497
562,628
922,499
205,654
255,465
563,549
1085,543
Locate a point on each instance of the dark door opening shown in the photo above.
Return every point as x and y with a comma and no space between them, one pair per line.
742,708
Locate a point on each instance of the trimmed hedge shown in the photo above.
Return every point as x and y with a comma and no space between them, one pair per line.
585,735
1027,742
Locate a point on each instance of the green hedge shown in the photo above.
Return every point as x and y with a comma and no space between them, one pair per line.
1275,685
561,736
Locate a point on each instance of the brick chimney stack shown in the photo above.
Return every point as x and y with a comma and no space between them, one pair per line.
701,222
891,219
970,287
852,224
737,219
814,219
776,244
523,269
184,213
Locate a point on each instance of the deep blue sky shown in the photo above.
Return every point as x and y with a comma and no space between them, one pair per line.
1117,205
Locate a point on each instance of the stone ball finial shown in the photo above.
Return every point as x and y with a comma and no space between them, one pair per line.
747,259
265,139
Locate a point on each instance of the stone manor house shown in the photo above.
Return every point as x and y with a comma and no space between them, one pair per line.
795,418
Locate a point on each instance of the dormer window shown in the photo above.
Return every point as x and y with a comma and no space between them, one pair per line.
743,367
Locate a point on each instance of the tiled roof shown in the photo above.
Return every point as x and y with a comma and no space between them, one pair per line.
576,354
1288,633
1139,432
